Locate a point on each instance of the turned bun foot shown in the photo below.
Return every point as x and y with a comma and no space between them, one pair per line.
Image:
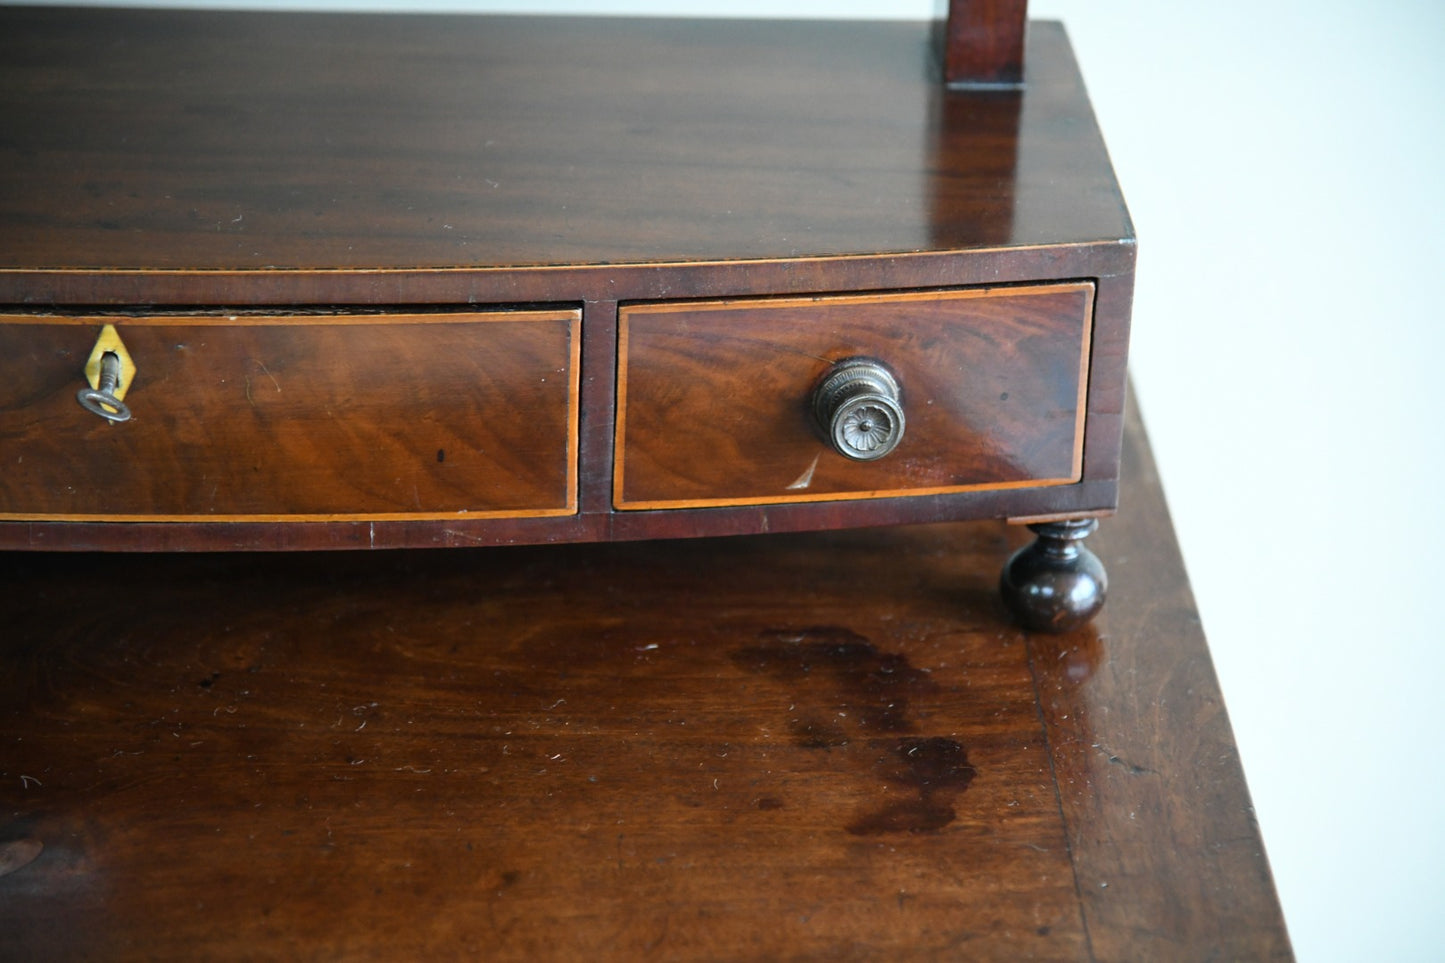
1055,583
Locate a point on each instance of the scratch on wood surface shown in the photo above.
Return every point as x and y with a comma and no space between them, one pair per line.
453,533
806,478
18,854
265,371
1131,768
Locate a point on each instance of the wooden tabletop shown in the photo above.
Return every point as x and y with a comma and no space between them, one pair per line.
216,140
826,746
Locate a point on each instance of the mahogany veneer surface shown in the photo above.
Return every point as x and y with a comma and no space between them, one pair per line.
713,397
441,415
825,746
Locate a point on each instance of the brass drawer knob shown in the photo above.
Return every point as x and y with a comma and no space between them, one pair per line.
857,406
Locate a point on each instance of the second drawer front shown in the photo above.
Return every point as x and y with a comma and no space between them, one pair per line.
295,418
714,399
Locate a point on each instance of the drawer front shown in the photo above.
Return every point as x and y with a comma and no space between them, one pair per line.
715,399
295,418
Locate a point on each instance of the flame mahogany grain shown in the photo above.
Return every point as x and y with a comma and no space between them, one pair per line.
713,397
270,418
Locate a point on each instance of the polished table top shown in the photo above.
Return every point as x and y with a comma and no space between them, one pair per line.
823,746
242,141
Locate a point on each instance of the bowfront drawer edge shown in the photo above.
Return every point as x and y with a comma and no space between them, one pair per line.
903,303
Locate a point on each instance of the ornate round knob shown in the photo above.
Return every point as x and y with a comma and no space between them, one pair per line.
857,407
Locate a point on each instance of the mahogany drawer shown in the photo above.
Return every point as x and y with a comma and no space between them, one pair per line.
714,402
295,418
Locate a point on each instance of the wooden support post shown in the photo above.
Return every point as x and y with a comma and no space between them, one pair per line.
984,43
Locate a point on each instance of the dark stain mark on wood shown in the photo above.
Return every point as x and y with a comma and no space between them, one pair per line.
844,692
936,769
873,686
813,734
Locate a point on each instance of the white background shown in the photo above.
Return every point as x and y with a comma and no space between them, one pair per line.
1283,163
